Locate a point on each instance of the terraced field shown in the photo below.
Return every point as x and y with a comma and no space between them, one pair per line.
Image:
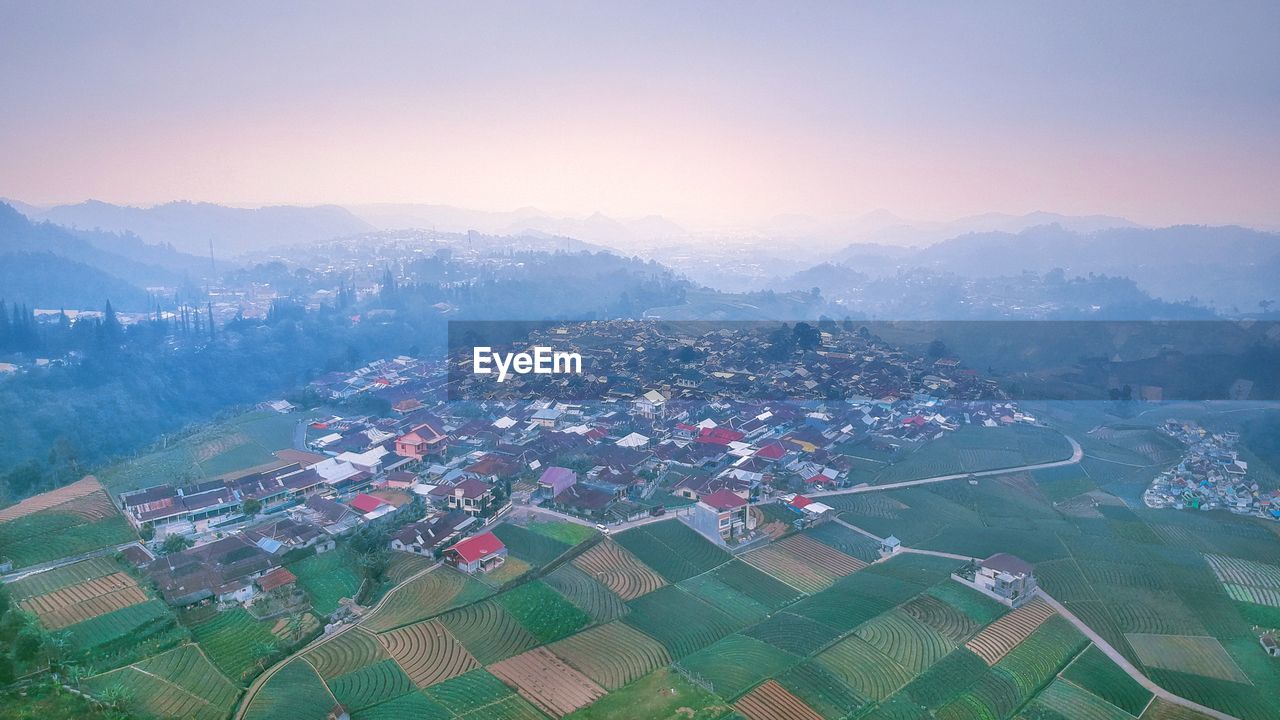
414,705
1001,636
427,652
535,548
822,690
545,613
867,670
488,631
235,642
848,541
818,555
371,685
328,578
756,585
793,633
911,643
948,677
782,566
345,653
735,664
84,600
771,701
673,549
548,682
177,683
1072,701
1247,580
733,603
597,600
699,624
944,618
1094,672
619,570
59,532
1192,654
435,592
61,577
612,655
295,691
118,625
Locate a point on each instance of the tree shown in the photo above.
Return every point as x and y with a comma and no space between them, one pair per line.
251,506
29,642
175,543
937,349
147,532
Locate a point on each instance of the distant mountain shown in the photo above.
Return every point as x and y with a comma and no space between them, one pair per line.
189,227
45,280
597,228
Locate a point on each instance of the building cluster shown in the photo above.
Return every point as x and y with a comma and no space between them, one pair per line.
1209,476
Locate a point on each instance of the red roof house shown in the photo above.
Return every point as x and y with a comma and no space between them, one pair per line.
367,503
719,436
278,578
772,451
478,553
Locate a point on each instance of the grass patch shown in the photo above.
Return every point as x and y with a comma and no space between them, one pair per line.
660,695
543,611
328,578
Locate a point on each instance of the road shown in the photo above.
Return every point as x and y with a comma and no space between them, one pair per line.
42,567
1107,648
1077,454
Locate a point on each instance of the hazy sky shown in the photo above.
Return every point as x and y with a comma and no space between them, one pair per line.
708,112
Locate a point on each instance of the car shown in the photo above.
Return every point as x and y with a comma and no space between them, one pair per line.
657,511
602,528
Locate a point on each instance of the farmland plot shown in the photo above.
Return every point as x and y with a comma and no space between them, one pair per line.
415,706
548,682
119,625
864,668
469,693
428,652
597,600
328,578
795,634
618,570
700,624
85,600
756,585
913,644
429,595
235,641
771,701
1247,580
1004,634
1073,701
612,655
1094,671
535,548
942,617
847,541
736,663
177,683
344,653
46,500
783,566
733,603
488,631
1194,654
61,577
671,548
817,555
371,685
295,691
821,690
546,614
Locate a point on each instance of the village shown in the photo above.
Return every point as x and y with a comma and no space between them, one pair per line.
1209,476
431,473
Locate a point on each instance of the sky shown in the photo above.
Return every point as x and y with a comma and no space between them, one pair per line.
709,113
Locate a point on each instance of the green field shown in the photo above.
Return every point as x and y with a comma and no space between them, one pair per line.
1094,672
61,577
582,590
699,624
371,685
470,692
328,578
736,664
674,550
569,533
177,683
427,596
660,695
295,691
545,613
236,642
53,534
535,548
488,631
413,705
758,586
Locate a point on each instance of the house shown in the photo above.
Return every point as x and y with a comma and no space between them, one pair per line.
555,480
470,496
225,570
286,534
425,536
1008,577
332,517
547,417
370,507
421,442
279,579
652,405
890,545
1270,645
728,510
585,499
479,553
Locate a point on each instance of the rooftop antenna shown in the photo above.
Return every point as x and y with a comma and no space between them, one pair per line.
212,268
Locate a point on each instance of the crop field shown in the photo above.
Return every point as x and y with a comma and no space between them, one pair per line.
568,533
673,549
61,577
612,655
1246,580
946,679
118,625
699,624
857,598
597,600
946,619
618,570
792,633
784,567
845,540
512,568
427,652
295,691
735,664
755,584
405,565
870,672
821,690
733,603
818,555
413,705
771,701
327,578
371,685
84,600
488,631
535,548
1001,636
972,449
57,533
86,485
469,692
177,683
548,682
1193,654
235,641
1094,672
435,592
911,643
1073,701
344,653
545,613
